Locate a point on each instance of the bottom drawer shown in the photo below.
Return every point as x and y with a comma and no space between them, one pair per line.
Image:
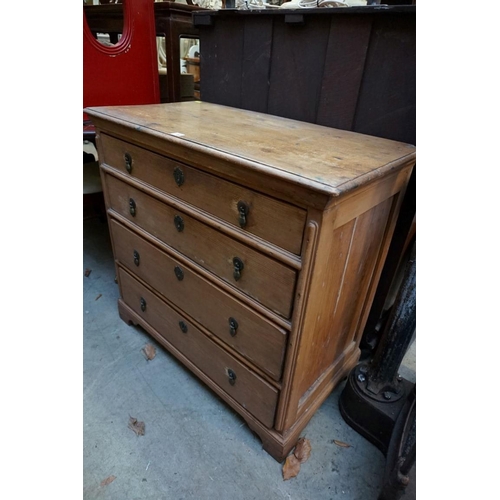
247,388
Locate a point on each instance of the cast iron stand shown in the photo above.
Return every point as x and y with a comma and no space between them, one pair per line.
380,404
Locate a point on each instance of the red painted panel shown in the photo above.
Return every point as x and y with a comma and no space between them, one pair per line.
126,73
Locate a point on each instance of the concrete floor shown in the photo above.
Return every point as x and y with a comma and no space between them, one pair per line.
194,446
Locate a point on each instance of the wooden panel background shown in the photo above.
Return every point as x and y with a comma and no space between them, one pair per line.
296,70
222,62
343,72
258,41
349,71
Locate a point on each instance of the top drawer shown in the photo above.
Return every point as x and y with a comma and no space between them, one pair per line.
272,220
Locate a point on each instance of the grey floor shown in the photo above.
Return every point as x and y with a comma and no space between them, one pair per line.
194,446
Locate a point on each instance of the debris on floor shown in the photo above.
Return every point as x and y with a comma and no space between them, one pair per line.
149,351
302,450
138,427
301,454
108,480
341,444
291,467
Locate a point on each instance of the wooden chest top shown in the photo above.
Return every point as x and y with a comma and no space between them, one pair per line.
322,159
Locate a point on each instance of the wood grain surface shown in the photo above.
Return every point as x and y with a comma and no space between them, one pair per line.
249,389
256,338
266,280
279,223
314,155
335,196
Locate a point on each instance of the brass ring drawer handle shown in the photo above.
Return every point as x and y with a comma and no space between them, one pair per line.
243,210
132,207
179,273
232,376
143,304
178,176
238,268
233,326
179,223
137,258
128,162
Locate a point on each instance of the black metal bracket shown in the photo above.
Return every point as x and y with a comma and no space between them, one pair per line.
297,19
202,20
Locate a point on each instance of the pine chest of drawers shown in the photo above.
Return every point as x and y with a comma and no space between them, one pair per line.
250,247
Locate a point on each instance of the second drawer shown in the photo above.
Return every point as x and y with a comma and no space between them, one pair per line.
266,280
237,325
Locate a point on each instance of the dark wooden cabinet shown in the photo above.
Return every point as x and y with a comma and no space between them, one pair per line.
250,247
352,69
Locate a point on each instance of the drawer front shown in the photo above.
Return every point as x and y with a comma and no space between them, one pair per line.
236,324
266,280
274,221
248,389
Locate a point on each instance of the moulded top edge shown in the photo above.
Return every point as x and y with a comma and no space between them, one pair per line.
317,157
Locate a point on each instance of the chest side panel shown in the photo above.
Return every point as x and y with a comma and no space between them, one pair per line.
346,269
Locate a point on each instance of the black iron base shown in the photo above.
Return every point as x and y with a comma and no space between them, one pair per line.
369,416
401,455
